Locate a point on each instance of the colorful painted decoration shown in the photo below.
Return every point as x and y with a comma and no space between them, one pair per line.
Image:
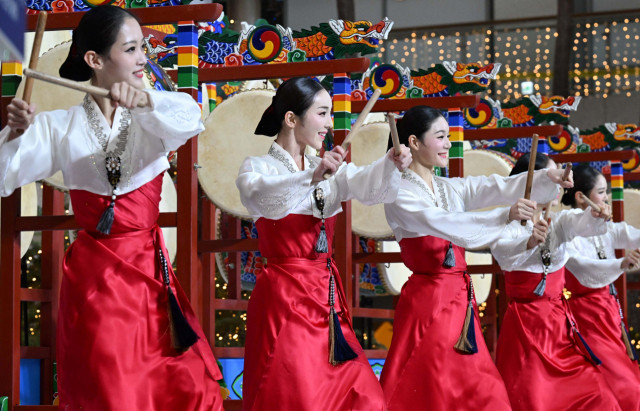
480,116
96,3
388,79
265,43
561,143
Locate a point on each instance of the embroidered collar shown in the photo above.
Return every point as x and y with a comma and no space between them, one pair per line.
414,178
283,156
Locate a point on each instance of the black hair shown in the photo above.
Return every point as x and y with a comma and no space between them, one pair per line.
415,122
584,180
97,31
295,95
522,165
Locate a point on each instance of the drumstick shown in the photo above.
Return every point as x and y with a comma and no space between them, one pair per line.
567,170
35,56
97,91
532,165
547,212
363,115
394,133
590,203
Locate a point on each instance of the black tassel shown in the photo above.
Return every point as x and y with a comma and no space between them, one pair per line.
182,335
322,245
450,258
542,285
631,351
106,221
594,359
340,350
612,289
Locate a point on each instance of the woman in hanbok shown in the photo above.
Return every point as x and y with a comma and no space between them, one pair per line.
127,338
545,362
590,272
438,359
301,351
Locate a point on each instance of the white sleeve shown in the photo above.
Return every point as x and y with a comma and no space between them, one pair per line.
266,194
372,184
486,191
592,273
577,223
623,235
464,229
174,118
510,251
31,156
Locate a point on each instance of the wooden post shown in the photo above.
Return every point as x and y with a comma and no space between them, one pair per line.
456,152
51,272
187,252
343,241
208,272
10,299
617,205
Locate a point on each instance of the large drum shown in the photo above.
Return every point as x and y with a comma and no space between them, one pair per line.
227,140
28,208
369,144
632,209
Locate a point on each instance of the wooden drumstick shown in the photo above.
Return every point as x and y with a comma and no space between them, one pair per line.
567,170
590,203
35,56
391,118
532,166
97,91
547,212
363,115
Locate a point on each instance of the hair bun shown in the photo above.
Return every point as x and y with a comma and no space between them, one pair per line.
568,198
269,125
74,67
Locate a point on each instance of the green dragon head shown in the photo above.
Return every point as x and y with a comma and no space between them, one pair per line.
461,77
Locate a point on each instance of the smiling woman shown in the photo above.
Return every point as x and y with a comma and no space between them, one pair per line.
298,326
127,337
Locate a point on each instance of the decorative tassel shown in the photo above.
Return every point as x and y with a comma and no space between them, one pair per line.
585,348
339,349
322,245
467,341
631,352
612,289
450,258
542,285
106,221
182,335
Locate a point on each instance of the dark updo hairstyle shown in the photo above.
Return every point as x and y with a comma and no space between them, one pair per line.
522,165
97,31
584,180
415,122
295,95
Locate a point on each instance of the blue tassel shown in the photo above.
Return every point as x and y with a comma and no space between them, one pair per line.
106,220
322,245
467,341
594,359
339,349
450,258
542,285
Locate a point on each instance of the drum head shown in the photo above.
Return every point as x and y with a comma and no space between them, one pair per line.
227,140
481,282
28,208
169,204
396,274
369,144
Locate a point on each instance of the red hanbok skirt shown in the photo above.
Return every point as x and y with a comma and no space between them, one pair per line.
597,315
113,343
286,364
423,371
541,359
